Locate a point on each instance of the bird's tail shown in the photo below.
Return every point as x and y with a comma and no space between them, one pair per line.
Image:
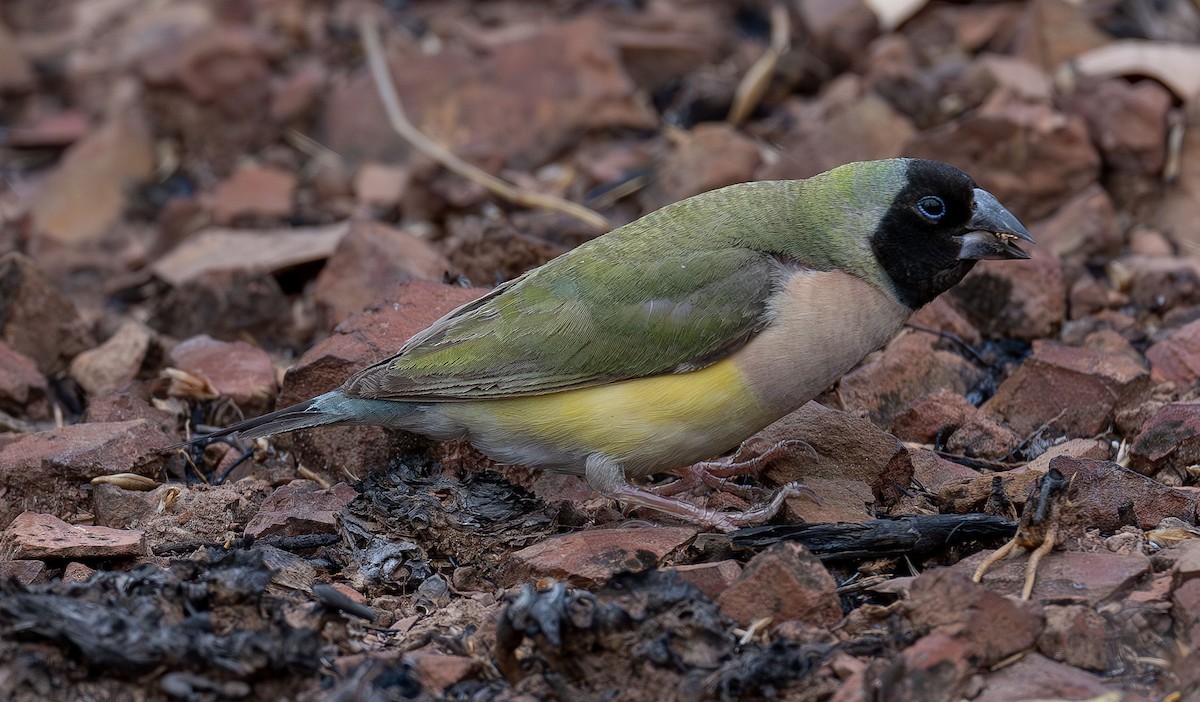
322,410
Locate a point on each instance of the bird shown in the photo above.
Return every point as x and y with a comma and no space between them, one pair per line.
669,340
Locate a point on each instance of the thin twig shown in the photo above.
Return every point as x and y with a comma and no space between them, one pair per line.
754,83
369,34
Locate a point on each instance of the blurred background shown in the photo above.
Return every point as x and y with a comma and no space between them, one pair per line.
200,198
134,129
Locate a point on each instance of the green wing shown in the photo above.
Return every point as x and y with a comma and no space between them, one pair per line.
585,319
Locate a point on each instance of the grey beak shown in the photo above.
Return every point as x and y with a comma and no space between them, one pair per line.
993,231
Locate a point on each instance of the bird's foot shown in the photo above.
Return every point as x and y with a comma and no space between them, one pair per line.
735,465
718,474
710,518
606,477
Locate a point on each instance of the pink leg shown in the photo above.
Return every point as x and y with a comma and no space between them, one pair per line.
608,478
716,474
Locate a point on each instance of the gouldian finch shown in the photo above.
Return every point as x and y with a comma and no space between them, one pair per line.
673,338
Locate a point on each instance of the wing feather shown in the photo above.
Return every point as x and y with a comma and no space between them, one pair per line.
581,321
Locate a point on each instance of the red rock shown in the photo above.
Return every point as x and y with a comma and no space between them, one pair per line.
1085,225
1177,357
1074,389
1109,342
221,250
71,456
1186,557
970,494
57,129
349,592
1128,121
833,500
15,72
438,672
887,383
1053,31
591,557
995,627
712,155
1170,440
124,406
300,507
380,184
710,578
1014,78
1032,158
1026,301
1095,449
1157,282
1087,297
23,571
369,264
254,192
839,29
493,251
784,582
36,319
371,336
936,667
1185,601
236,370
201,513
1144,241
941,316
87,191
1065,577
1038,677
520,102
299,93
359,341
23,389
116,362
848,448
1102,489
933,472
119,508
210,85
33,535
218,65
983,437
1176,215
77,572
938,413
846,123
1076,635
226,303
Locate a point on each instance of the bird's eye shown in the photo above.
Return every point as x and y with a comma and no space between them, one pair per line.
932,207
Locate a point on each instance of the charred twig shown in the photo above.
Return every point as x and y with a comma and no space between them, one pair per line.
369,34
880,538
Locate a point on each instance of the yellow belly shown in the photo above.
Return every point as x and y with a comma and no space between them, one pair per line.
646,425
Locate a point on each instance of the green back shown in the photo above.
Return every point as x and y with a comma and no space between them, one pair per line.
673,291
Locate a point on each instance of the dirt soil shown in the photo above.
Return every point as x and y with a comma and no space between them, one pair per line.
205,214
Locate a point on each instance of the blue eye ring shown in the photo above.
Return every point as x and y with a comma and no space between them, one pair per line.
931,207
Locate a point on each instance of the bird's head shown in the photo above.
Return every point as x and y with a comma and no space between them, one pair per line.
939,223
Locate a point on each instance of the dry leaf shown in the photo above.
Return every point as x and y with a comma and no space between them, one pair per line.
128,481
1176,66
270,250
893,13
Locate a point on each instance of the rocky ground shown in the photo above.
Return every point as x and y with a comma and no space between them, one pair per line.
206,214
